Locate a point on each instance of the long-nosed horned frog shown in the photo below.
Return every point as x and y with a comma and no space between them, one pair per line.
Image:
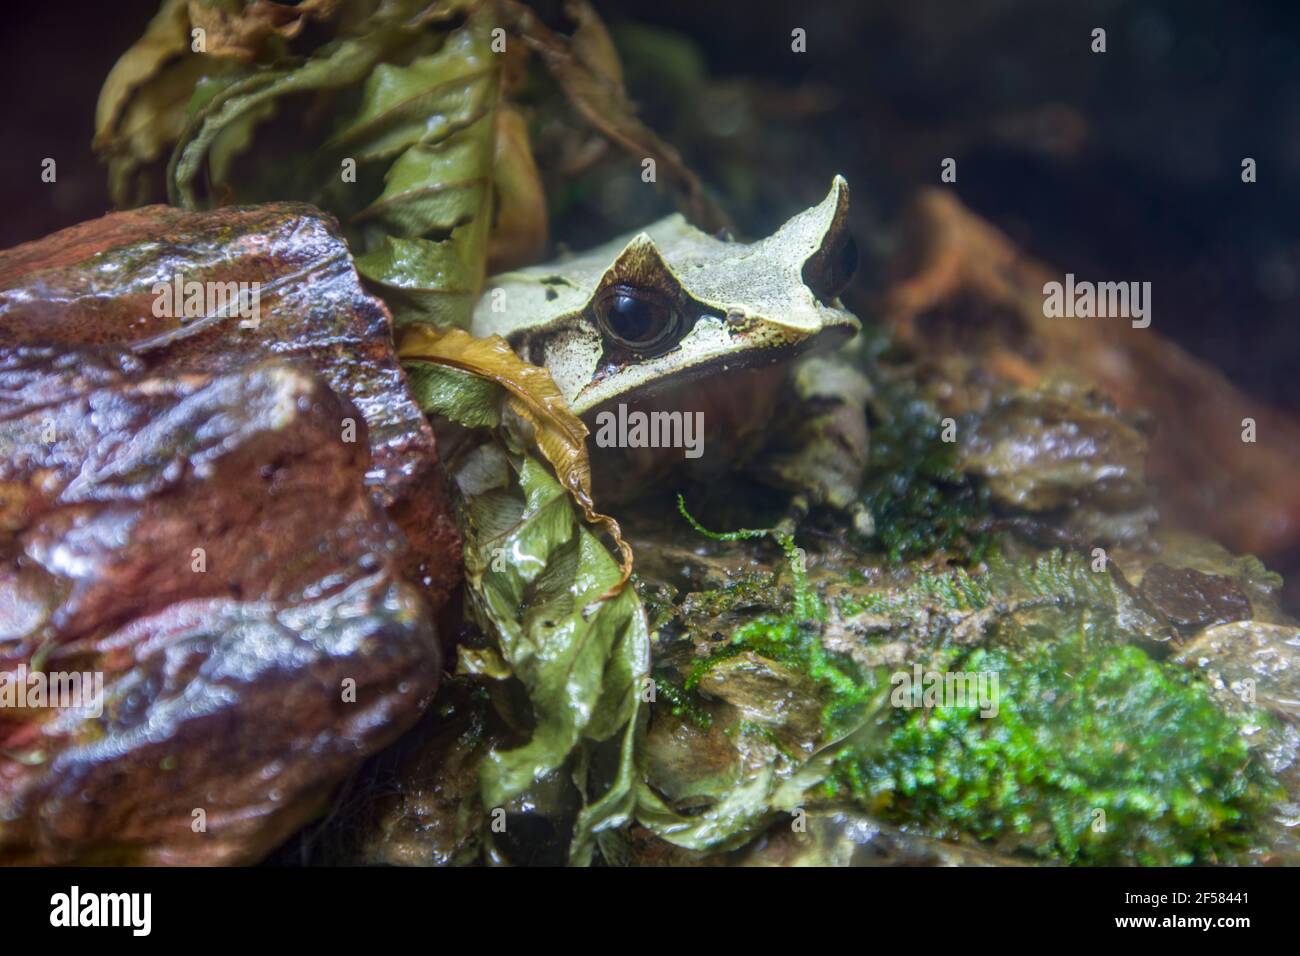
675,348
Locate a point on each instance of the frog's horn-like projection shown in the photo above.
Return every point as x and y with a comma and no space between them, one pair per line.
821,237
639,264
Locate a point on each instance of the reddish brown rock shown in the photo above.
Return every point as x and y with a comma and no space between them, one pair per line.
206,544
202,514
96,284
1192,599
970,304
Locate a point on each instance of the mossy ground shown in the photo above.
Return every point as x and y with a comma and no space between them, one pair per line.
1098,753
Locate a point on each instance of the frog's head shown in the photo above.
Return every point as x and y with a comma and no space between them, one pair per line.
671,304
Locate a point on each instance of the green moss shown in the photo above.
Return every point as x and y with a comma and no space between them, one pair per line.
958,590
807,606
682,703
918,495
748,590
1059,578
1096,755
797,642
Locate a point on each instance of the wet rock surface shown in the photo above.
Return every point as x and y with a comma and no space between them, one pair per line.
823,838
217,532
1256,664
205,544
1190,598
1067,452
112,282
970,303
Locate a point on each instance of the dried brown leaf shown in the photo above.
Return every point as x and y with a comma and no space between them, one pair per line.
586,68
519,233
243,34
559,433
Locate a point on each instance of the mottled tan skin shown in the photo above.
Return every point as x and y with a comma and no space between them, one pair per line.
747,310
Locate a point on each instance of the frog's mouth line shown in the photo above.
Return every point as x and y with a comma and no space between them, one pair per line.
750,358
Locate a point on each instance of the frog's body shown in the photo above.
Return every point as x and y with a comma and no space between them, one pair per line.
673,320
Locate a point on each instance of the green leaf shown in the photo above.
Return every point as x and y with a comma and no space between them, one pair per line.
142,104
532,567
423,102
461,396
740,812
556,431
347,63
423,282
426,105
544,589
423,193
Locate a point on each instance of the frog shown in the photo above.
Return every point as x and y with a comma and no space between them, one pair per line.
668,328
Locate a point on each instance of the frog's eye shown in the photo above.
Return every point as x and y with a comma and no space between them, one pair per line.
642,320
829,272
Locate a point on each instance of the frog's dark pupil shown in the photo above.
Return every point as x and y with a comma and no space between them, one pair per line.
635,320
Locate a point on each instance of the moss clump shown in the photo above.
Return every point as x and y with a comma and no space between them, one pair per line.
746,591
914,487
1056,578
1079,730
807,606
793,638
1097,754
919,497
790,640
681,703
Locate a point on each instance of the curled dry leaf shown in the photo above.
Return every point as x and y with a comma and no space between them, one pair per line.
519,232
141,109
243,33
586,67
391,116
559,433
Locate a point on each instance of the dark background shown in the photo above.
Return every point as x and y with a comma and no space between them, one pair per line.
1123,165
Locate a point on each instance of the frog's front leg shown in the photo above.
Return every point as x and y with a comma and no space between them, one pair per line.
821,443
